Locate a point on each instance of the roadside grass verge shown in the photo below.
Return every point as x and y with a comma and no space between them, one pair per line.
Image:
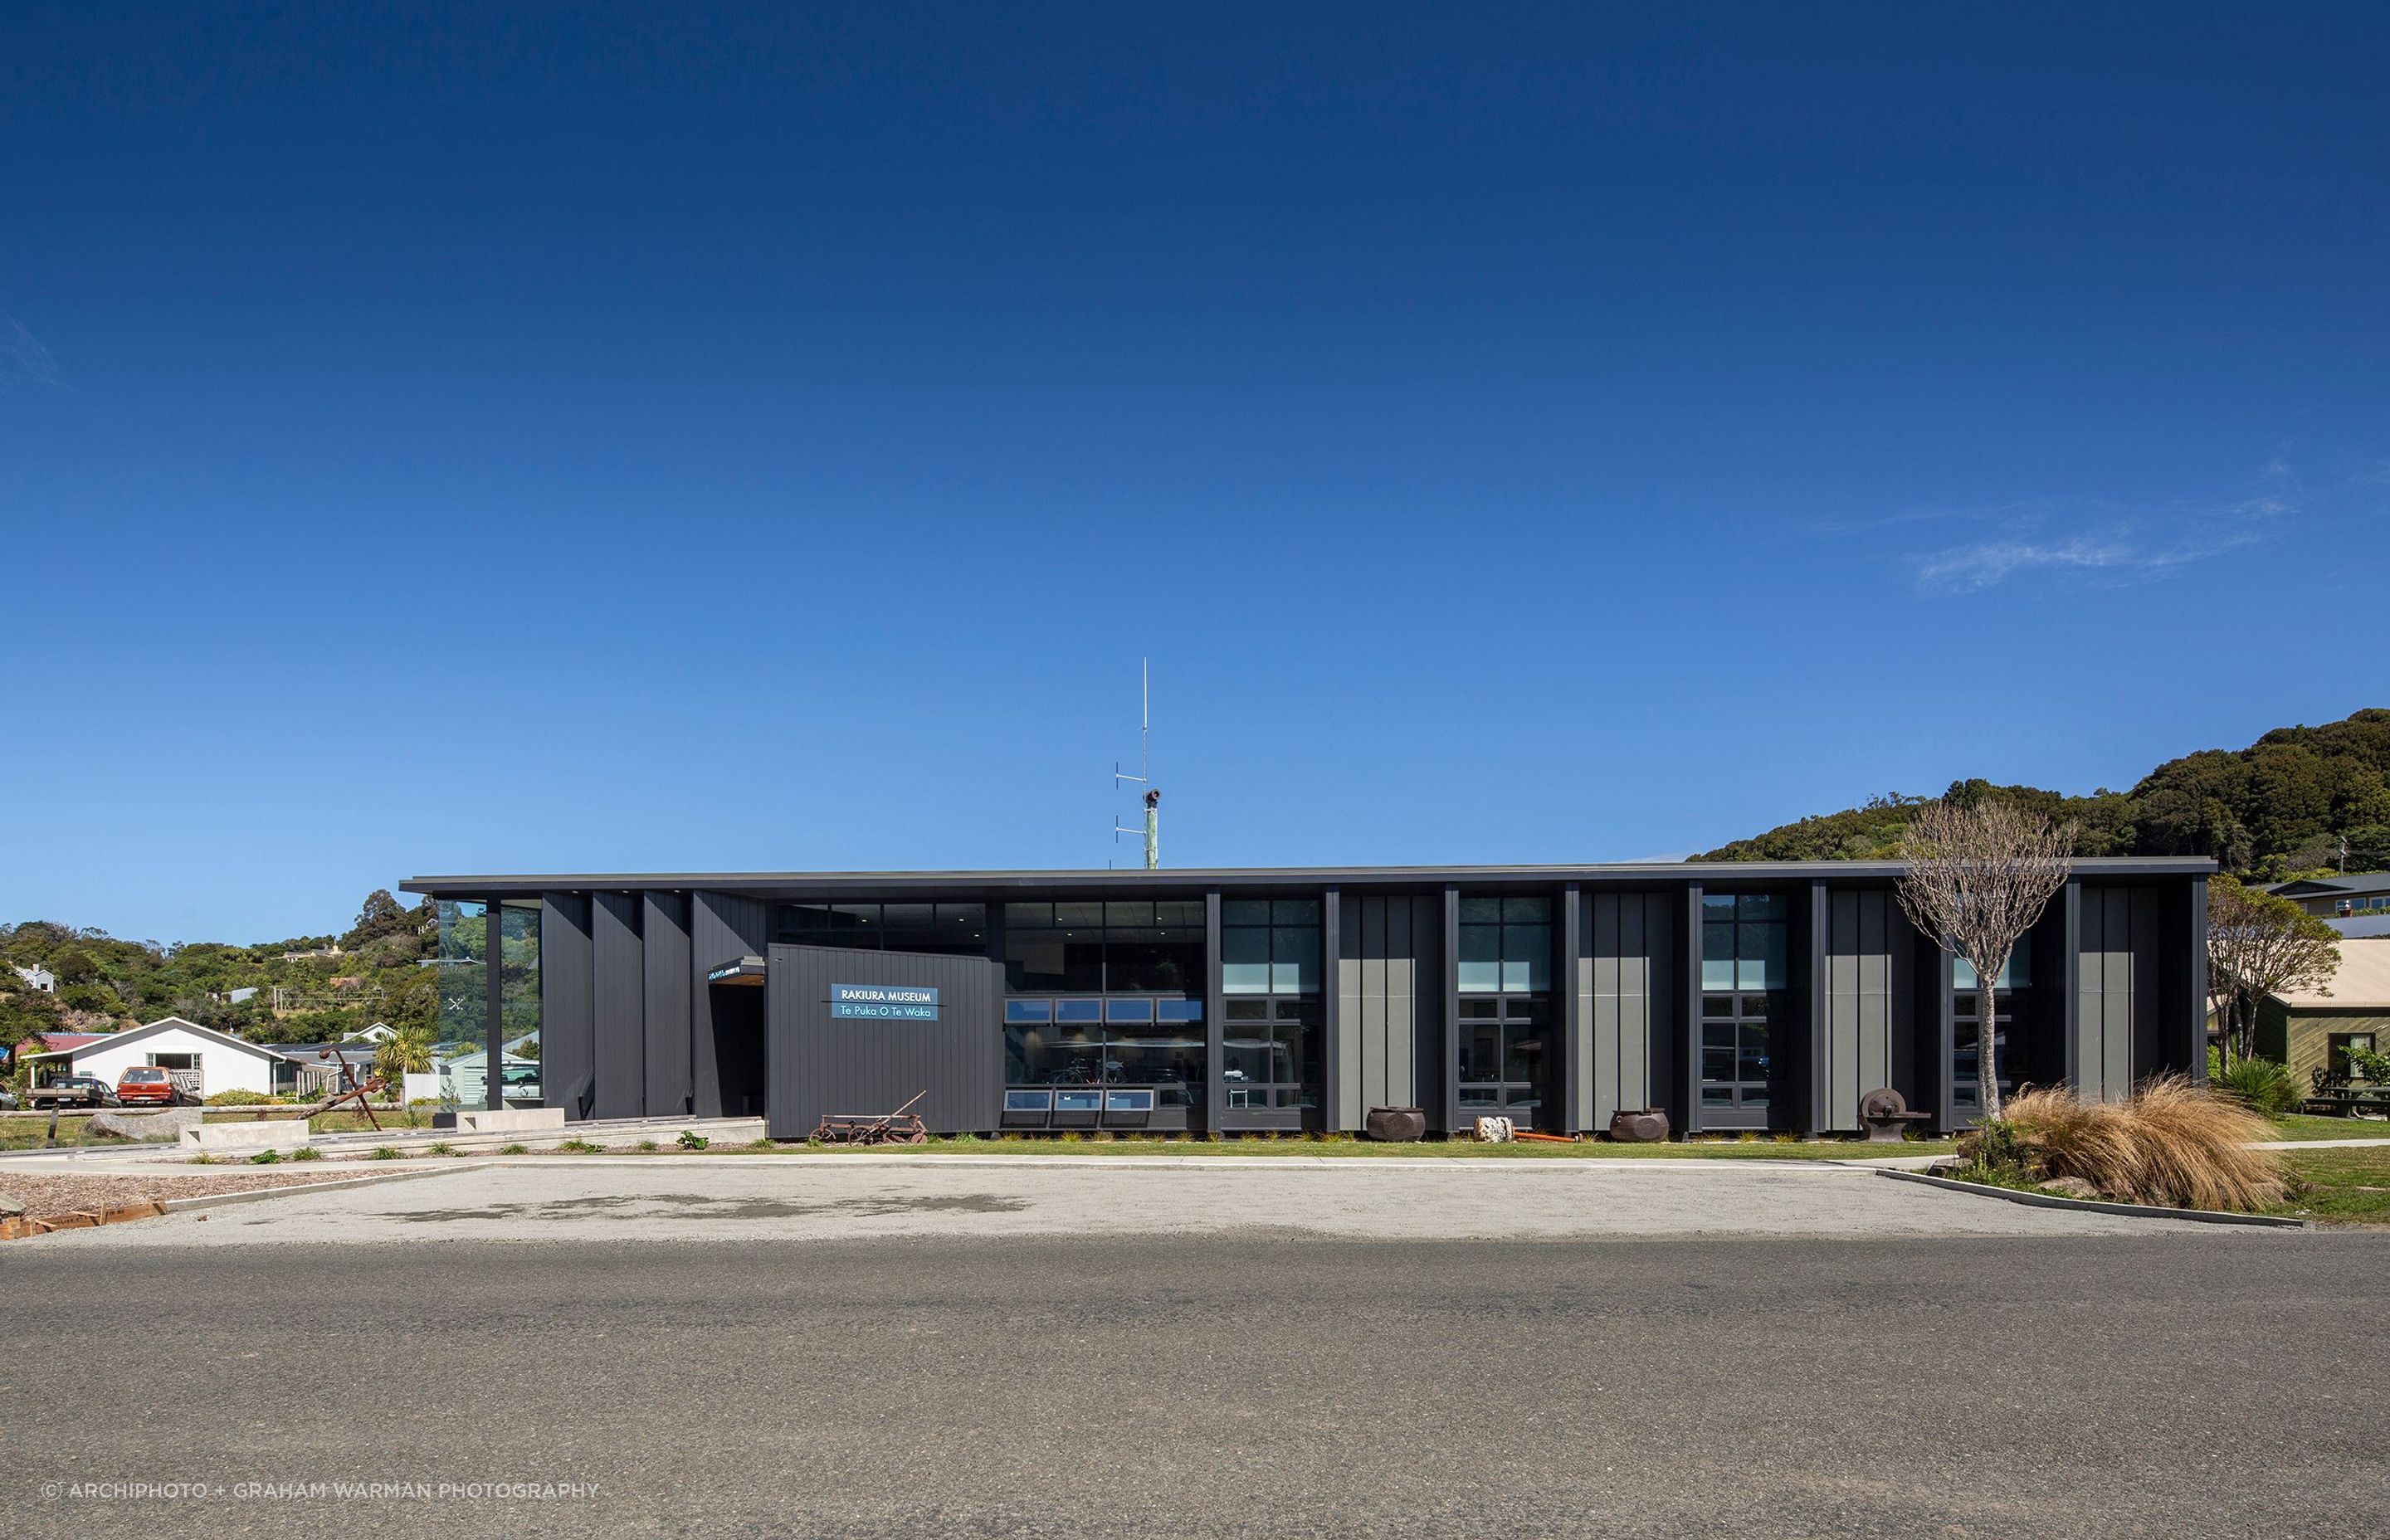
2344,1186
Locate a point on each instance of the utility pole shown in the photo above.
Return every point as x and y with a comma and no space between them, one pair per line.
1152,831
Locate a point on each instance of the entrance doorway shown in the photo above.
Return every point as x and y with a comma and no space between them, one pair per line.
739,1050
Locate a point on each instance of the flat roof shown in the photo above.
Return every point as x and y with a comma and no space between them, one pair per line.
504,884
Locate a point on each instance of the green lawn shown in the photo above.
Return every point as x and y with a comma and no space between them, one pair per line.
26,1130
2348,1187
2300,1127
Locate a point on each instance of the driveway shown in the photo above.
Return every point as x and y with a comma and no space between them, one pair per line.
680,1200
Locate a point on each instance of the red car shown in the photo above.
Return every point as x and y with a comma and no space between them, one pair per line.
152,1086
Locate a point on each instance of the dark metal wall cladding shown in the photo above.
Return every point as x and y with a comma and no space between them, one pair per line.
721,927
621,959
1389,1004
664,929
567,1006
820,1064
1856,980
1626,1003
2121,989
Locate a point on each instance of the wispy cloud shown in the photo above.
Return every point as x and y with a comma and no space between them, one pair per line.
1987,561
23,360
2103,538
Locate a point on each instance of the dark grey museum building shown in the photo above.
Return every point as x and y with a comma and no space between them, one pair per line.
1759,995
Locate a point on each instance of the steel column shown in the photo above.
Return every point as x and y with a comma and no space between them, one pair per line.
494,962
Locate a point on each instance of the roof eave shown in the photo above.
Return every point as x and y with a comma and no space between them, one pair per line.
520,884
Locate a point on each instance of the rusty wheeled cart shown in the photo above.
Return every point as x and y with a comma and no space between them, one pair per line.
902,1127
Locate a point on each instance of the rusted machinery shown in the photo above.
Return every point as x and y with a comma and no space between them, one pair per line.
902,1127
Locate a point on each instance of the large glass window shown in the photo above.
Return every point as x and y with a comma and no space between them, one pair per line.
1743,948
1135,946
2011,1003
1082,1041
1742,941
1506,1063
956,929
1270,1047
462,960
1270,966
1504,1059
519,1000
1506,945
1269,946
462,964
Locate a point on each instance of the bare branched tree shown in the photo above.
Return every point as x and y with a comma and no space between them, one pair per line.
1980,873
2259,943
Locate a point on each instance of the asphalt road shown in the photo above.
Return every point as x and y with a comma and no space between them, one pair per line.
2167,1384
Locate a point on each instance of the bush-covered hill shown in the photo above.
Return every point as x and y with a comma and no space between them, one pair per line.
106,983
2275,809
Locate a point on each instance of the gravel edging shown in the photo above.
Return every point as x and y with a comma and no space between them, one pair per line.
2097,1205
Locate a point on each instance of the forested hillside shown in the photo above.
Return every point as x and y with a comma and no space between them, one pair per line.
106,983
2278,808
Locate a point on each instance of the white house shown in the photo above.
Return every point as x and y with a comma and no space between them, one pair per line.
203,1060
38,978
464,1078
380,1031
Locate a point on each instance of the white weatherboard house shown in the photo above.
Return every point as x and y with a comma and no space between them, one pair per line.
203,1059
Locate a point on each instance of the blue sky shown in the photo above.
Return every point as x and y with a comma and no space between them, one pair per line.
636,439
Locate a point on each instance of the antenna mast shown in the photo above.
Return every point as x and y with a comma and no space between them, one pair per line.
1152,831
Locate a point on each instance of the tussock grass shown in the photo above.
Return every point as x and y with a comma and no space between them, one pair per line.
2171,1143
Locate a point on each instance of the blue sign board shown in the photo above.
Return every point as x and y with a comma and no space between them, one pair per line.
884,1002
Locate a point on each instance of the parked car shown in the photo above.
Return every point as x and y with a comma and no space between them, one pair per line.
72,1091
143,1084
7,1102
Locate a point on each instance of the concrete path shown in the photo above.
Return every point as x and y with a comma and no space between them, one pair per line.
2321,1144
692,1199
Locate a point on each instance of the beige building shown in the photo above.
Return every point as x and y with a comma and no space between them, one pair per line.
2313,1029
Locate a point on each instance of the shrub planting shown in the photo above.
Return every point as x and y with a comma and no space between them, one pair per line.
2260,1084
2170,1144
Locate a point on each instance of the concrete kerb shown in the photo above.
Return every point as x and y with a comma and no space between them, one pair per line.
217,1199
2095,1205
